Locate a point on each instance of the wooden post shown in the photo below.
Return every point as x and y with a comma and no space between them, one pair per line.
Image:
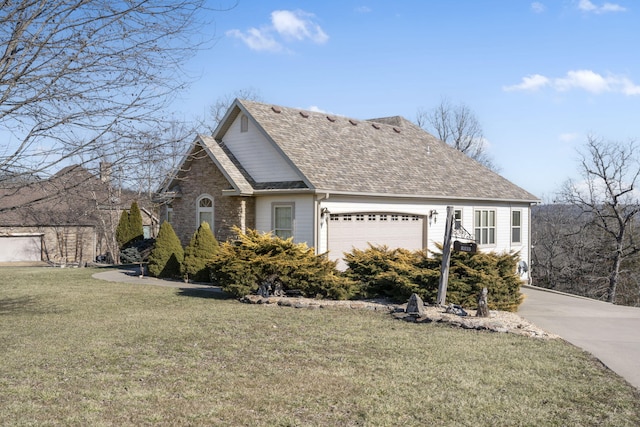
446,258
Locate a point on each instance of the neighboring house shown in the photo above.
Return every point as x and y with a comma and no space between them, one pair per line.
337,183
67,219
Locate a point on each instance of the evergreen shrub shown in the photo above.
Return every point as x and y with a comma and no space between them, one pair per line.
240,266
198,254
129,229
397,273
167,255
137,252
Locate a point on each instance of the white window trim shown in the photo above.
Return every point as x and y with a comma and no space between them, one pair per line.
519,242
200,209
488,227
276,205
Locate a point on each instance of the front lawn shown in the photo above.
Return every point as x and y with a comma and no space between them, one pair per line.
78,351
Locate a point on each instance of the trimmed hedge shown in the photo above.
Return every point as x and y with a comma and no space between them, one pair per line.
240,266
397,273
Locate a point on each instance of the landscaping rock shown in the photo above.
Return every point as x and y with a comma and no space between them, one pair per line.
415,306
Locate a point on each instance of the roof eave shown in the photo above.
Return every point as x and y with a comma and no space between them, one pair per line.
427,196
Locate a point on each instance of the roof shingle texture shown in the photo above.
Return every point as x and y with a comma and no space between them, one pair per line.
390,156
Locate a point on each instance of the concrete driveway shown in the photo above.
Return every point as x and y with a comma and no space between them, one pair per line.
609,332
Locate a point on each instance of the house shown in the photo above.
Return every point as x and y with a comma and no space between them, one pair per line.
337,183
69,218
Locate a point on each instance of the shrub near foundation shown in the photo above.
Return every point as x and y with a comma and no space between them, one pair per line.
241,266
397,273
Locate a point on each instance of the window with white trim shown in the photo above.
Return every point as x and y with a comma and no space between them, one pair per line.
283,220
205,211
457,219
485,226
516,226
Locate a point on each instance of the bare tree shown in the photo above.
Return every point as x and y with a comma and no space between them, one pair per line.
458,126
87,80
607,195
218,109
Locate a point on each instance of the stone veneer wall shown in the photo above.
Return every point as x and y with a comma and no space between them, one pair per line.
203,177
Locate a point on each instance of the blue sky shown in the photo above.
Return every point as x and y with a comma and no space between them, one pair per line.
540,76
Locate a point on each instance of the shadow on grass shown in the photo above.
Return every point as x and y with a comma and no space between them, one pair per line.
212,293
26,304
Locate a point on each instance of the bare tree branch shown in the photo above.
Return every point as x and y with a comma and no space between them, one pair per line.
86,80
458,126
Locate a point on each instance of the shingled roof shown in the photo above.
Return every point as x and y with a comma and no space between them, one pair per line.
387,156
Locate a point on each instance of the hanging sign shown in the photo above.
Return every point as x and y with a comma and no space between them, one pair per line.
459,246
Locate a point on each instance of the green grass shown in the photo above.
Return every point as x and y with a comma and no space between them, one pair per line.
78,351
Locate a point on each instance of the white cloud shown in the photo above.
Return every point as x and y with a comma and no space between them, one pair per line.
538,7
257,39
588,7
298,25
317,109
363,9
583,79
530,83
288,25
568,136
586,80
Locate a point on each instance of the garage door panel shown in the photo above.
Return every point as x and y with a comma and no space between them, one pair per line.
20,248
359,230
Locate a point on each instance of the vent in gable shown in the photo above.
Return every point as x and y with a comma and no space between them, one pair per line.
276,110
375,126
396,130
304,114
353,122
331,119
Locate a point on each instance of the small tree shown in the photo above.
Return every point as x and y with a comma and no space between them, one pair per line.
122,230
135,223
167,255
129,228
199,253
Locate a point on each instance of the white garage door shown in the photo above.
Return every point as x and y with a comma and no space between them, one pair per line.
20,248
347,231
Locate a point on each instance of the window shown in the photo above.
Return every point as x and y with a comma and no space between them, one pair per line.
372,217
346,217
485,227
334,217
516,226
359,217
383,217
205,211
244,123
394,217
283,220
405,217
457,219
169,213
